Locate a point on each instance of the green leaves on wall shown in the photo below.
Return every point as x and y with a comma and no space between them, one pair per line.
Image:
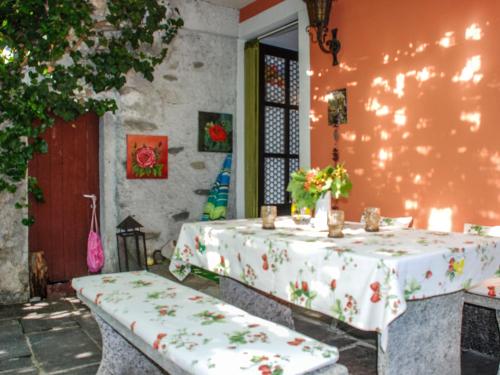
56,55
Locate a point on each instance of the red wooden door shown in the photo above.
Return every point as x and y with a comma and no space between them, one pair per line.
69,170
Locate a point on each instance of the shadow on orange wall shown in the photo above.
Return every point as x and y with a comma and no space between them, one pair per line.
423,132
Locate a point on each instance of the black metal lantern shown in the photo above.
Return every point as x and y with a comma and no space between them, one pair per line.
130,236
319,17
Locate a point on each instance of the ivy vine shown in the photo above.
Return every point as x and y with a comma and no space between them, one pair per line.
60,58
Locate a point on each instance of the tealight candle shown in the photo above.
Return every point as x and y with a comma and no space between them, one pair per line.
335,223
268,215
372,219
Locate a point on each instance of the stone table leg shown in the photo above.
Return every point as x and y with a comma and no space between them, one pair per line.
498,322
255,303
425,339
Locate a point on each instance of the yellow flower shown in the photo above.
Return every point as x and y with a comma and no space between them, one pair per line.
458,267
341,170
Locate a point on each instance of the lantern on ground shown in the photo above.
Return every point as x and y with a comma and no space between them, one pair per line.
129,239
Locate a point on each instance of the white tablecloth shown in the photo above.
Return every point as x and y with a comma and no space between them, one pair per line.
363,279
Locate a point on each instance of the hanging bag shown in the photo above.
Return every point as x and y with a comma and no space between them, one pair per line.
95,254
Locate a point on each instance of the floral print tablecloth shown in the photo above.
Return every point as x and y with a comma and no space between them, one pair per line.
363,279
201,334
489,287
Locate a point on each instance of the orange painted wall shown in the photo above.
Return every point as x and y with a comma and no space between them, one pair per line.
423,126
256,7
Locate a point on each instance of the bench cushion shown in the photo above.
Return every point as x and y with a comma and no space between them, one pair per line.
201,334
491,287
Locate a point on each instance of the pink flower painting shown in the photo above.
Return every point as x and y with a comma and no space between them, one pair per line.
147,156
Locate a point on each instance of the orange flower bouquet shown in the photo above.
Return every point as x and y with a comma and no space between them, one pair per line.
306,187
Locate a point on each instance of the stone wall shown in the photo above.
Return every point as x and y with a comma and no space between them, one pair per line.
199,74
14,281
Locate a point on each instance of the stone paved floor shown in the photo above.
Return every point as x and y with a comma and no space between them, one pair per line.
61,337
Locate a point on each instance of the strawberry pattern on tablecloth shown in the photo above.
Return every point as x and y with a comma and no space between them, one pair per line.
491,286
201,334
363,279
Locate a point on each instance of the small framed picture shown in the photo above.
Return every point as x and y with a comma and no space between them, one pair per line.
337,107
215,132
147,156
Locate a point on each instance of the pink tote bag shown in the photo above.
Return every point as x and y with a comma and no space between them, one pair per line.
95,254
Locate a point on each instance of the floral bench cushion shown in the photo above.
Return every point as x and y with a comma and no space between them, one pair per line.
490,287
201,334
397,222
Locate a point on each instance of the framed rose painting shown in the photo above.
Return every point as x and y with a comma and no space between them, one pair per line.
147,156
215,132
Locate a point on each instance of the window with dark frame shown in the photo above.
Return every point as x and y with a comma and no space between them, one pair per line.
279,125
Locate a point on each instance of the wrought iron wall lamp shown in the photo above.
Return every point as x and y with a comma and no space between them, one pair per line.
319,16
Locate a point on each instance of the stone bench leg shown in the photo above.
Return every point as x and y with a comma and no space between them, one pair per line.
255,303
425,339
119,357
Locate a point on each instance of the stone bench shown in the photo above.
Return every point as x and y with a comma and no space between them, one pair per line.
151,325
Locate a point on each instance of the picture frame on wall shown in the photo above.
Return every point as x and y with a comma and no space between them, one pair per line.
215,132
147,156
337,107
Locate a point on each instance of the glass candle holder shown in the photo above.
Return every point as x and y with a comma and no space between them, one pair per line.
335,224
268,215
300,215
372,219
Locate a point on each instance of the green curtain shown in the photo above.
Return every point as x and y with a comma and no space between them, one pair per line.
252,129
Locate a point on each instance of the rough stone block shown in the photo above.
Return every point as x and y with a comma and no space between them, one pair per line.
480,331
170,77
474,363
199,165
175,150
181,216
425,339
139,125
204,192
14,274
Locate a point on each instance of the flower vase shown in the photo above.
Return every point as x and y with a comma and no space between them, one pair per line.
323,207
